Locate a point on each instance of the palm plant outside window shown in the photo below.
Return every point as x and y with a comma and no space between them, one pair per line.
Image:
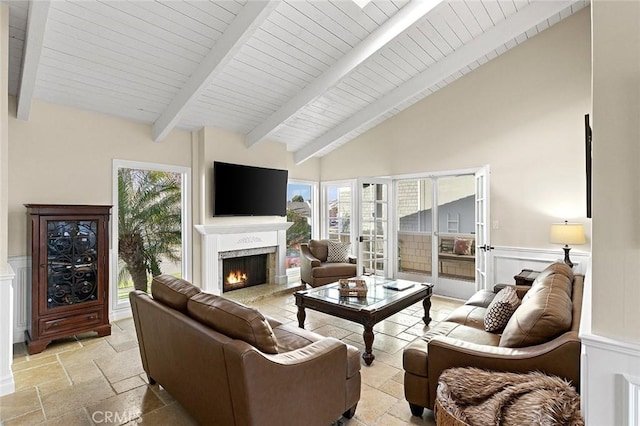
149,227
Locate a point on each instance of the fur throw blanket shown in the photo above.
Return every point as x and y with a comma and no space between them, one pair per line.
480,397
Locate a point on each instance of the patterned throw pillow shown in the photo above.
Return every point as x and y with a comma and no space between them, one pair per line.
461,246
500,310
338,252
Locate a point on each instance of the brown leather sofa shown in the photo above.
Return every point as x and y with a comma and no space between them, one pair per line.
227,364
316,271
541,335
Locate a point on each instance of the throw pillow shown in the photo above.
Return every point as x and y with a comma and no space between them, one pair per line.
462,246
500,310
338,252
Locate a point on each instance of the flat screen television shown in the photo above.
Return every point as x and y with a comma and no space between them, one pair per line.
240,190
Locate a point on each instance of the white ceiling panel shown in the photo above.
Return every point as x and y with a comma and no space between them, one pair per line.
289,78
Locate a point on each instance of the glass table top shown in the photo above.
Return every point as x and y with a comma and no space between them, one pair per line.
378,293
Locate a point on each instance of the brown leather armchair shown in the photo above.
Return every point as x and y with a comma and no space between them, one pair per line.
227,364
316,271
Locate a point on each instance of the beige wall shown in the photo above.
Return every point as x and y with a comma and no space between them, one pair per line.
65,155
616,175
521,113
227,146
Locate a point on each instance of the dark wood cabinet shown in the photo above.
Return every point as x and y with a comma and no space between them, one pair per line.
69,249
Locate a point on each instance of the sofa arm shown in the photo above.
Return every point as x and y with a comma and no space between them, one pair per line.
307,262
306,256
352,259
558,357
273,389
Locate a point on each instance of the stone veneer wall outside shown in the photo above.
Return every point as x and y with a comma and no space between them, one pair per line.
415,252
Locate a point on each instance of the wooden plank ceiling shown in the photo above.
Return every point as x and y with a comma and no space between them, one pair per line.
309,74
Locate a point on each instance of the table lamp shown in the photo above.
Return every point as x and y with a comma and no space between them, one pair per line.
567,233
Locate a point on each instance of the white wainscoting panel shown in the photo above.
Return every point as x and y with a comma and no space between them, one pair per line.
21,290
632,386
509,261
7,384
610,381
609,373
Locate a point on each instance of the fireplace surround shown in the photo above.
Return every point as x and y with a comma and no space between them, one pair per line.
231,240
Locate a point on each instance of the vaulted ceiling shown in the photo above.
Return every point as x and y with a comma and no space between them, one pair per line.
309,74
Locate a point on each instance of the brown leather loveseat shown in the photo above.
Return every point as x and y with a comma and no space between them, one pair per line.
318,268
229,365
541,335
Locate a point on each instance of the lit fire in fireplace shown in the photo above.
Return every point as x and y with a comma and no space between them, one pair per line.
236,277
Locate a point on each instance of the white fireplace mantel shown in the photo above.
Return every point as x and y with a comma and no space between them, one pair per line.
242,228
240,236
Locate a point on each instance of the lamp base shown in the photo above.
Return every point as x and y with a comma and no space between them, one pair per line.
566,256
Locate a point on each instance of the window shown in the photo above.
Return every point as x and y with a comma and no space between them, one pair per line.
150,227
455,215
414,202
337,215
456,224
301,197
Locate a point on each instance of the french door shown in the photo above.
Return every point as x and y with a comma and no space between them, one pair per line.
441,231
483,251
373,199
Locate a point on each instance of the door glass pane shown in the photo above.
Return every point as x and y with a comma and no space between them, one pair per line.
299,212
456,223
338,224
72,262
149,227
414,198
374,228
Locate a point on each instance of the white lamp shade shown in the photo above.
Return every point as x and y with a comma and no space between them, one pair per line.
567,233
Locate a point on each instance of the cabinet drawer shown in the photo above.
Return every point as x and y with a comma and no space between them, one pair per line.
78,321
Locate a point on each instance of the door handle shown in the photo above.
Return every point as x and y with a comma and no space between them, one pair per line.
485,247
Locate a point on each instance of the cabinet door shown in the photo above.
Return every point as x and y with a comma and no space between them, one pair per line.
71,264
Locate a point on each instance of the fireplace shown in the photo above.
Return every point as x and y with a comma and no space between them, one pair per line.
224,241
244,271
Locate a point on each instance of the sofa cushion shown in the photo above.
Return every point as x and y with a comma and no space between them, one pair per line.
500,310
319,249
173,292
559,281
334,270
338,252
543,316
469,315
556,268
233,319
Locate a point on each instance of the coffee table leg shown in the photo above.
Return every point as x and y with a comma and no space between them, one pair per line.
301,316
427,307
368,355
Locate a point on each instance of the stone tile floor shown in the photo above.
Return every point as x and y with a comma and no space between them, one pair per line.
88,380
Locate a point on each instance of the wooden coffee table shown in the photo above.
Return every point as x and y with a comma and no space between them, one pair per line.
379,304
